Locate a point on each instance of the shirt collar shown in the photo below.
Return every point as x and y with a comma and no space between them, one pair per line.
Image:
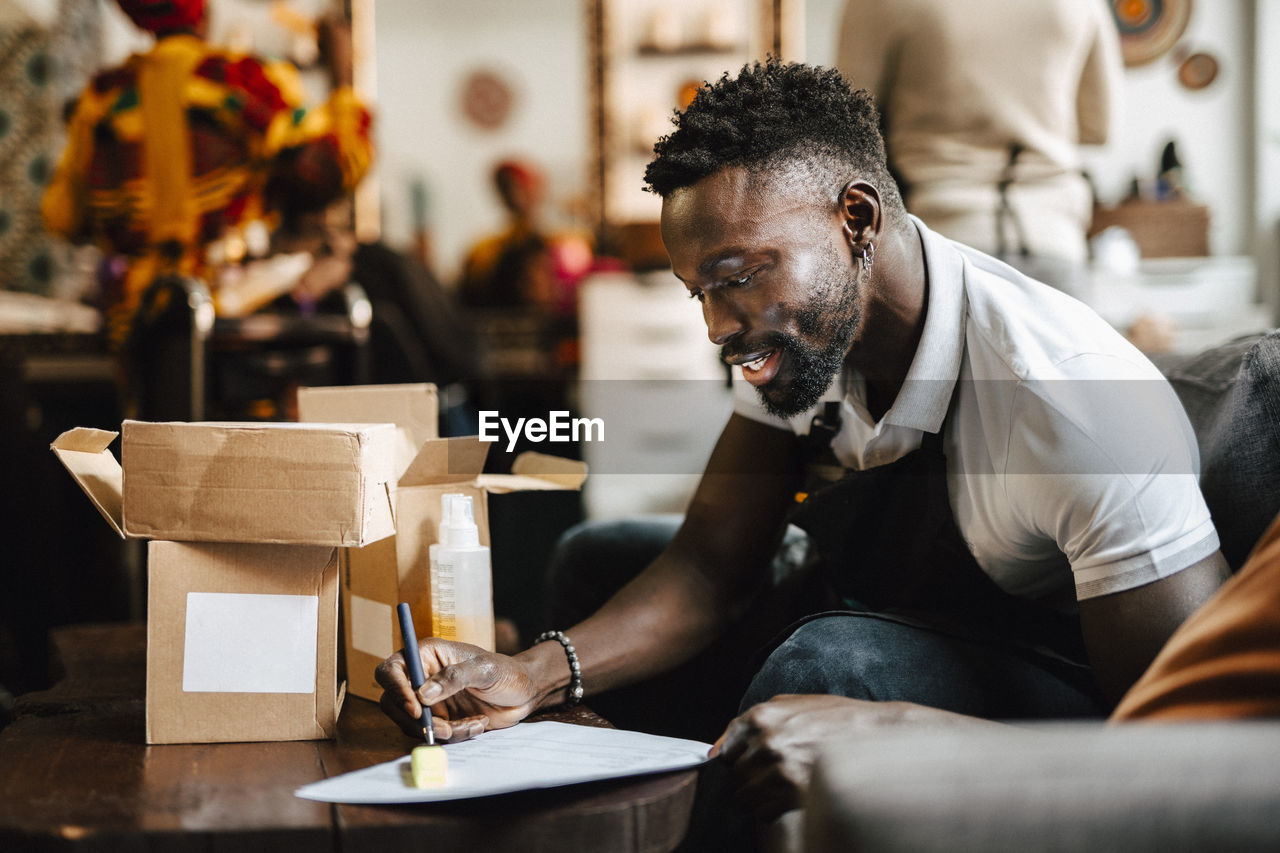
926,394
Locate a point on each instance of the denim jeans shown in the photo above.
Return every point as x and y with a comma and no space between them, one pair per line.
869,656
860,655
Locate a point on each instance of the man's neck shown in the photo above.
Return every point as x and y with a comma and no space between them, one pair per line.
893,319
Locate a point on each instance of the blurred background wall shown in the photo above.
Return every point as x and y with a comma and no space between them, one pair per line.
435,161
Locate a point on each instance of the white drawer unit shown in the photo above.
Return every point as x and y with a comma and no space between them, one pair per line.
1208,300
650,373
643,327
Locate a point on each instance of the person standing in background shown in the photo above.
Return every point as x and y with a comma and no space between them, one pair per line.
984,105
170,151
527,265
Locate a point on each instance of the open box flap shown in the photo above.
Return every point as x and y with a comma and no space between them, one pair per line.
564,473
534,471
501,484
447,460
411,407
83,450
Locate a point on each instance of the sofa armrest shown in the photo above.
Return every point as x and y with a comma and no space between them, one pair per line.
1061,786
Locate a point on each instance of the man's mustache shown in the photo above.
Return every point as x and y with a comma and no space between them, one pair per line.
767,341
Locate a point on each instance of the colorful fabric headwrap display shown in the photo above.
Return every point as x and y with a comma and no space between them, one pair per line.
164,16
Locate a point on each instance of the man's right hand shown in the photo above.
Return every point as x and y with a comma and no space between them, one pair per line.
657,621
468,689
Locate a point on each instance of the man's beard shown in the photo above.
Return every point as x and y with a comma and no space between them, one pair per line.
832,315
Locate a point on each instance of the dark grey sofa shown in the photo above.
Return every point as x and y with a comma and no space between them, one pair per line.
1232,397
1136,788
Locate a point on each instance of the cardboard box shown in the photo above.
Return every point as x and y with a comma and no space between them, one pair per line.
302,484
242,642
413,409
375,578
1162,229
242,636
373,583
370,575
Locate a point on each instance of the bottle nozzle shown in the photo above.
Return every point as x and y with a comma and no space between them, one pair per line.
457,522
463,511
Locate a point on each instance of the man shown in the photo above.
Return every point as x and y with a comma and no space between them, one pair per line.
170,151
993,472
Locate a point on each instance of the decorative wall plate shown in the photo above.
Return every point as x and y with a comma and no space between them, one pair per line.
1198,70
486,99
1149,28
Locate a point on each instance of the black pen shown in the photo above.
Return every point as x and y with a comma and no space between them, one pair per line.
413,660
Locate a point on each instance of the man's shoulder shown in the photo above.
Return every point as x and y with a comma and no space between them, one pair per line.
1059,378
1020,328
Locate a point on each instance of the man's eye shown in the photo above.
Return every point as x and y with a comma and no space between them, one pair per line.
695,294
741,281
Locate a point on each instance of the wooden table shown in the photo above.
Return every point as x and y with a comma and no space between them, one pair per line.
75,774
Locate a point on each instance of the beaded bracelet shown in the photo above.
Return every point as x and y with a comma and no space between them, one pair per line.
573,693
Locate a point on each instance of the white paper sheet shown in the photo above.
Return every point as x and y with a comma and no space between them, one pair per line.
250,643
523,757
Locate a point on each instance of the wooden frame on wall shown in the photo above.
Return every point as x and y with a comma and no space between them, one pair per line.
645,57
367,202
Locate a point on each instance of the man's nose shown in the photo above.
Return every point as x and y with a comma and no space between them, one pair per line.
724,320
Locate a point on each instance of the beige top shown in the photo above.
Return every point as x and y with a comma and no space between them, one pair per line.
957,83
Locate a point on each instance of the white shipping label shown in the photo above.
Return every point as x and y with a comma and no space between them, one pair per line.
371,627
245,643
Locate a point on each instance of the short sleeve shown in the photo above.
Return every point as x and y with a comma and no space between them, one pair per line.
1108,469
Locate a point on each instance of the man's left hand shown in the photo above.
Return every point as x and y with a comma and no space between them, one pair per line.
773,746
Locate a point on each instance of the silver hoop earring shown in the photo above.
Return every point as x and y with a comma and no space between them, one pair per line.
868,255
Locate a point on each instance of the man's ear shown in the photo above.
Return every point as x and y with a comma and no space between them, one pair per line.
861,214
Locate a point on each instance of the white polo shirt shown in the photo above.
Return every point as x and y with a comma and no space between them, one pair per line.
1071,467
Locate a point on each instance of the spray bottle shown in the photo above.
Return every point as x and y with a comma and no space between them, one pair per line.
461,577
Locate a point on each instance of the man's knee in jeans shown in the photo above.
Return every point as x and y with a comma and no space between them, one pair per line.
865,656
845,655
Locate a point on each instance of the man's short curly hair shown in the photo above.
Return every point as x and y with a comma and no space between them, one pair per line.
780,120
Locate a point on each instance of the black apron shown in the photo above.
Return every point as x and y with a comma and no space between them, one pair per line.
888,543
